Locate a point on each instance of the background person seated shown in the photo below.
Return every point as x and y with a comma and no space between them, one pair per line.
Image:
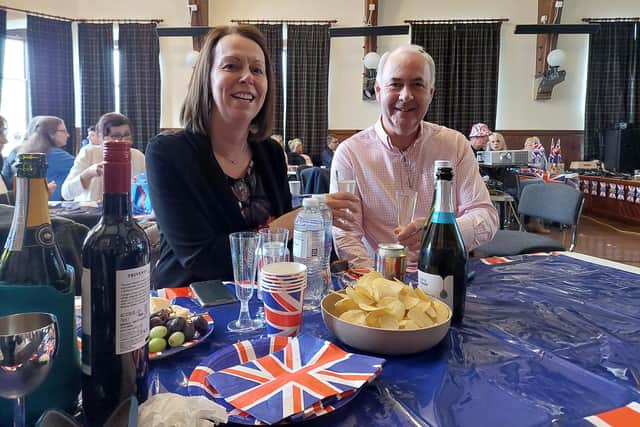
327,154
49,134
478,137
296,152
92,137
84,182
496,142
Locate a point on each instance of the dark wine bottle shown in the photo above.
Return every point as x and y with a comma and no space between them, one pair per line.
33,278
442,262
115,297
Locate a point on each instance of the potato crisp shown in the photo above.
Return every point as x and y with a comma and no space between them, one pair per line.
381,303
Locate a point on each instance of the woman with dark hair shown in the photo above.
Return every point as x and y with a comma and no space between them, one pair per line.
49,133
84,182
222,173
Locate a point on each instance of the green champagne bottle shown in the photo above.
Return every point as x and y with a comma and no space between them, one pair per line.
33,278
442,262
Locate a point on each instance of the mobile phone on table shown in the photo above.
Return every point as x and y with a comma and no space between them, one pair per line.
210,293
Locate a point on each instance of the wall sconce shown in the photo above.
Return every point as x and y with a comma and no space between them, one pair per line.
192,58
370,61
554,75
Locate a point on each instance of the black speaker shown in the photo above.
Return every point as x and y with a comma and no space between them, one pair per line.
621,149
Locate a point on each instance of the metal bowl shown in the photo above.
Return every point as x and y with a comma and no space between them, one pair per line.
382,341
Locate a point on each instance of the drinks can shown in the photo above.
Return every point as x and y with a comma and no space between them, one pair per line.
391,260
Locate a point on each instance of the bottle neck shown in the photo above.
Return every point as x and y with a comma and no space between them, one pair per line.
443,202
116,206
32,198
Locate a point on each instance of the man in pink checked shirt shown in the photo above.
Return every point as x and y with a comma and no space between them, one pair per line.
398,153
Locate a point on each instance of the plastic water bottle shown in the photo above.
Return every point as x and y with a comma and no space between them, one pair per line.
308,249
327,216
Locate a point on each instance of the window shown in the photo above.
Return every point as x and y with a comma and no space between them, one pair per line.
14,92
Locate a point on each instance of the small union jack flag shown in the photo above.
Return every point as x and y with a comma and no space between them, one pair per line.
558,152
552,152
287,382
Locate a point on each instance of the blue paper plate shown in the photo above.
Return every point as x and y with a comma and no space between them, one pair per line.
243,352
188,303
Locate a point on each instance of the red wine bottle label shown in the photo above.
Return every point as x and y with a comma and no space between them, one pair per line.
132,308
437,287
85,282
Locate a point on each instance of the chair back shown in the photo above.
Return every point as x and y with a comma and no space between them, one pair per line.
552,202
315,180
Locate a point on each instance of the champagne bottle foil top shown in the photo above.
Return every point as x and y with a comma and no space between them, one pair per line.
31,165
117,166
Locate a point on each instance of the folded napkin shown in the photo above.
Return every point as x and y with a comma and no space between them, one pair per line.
171,410
287,382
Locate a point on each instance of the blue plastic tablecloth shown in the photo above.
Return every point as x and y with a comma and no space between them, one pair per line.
544,339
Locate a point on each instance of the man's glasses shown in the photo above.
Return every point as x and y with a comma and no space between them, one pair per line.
118,137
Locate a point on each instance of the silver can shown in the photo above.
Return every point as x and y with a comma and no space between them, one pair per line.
391,260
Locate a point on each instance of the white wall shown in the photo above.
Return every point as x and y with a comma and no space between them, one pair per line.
516,107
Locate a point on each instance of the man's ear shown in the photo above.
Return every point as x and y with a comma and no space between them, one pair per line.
377,88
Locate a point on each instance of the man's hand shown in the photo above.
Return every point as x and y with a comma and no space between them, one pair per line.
411,235
344,207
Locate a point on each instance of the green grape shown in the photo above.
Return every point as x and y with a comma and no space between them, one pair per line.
157,344
158,332
176,339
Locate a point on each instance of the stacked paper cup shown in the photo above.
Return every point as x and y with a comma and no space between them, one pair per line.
283,285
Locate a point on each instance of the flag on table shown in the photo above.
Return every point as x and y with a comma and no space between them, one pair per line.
552,152
287,382
558,152
620,417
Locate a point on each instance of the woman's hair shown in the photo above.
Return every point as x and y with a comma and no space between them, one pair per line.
195,114
294,144
111,120
532,140
503,143
41,130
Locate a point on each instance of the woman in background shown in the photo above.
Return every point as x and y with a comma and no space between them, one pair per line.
496,142
48,135
84,182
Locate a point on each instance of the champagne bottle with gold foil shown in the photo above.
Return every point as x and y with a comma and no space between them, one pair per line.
33,278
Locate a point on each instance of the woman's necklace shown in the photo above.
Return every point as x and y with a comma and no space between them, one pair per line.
230,160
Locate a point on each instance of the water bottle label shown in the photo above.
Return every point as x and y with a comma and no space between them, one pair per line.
307,244
443,218
86,319
437,287
132,308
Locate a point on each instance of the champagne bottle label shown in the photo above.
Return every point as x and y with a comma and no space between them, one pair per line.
132,308
443,218
437,287
86,320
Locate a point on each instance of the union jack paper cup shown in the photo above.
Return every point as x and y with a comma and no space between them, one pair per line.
283,286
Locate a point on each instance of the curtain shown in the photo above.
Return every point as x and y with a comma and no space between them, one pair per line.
273,35
609,82
308,86
467,61
95,43
50,59
140,80
3,36
436,39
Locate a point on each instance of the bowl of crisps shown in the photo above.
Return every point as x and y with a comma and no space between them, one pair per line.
385,317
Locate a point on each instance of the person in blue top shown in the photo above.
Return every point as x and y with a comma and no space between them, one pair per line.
48,135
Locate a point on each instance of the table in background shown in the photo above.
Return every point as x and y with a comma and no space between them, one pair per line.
544,338
614,198
505,204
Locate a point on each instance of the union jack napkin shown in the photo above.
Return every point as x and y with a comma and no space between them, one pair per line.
626,416
287,382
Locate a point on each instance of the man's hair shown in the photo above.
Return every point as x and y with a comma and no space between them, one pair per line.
430,65
195,113
112,120
91,129
331,138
